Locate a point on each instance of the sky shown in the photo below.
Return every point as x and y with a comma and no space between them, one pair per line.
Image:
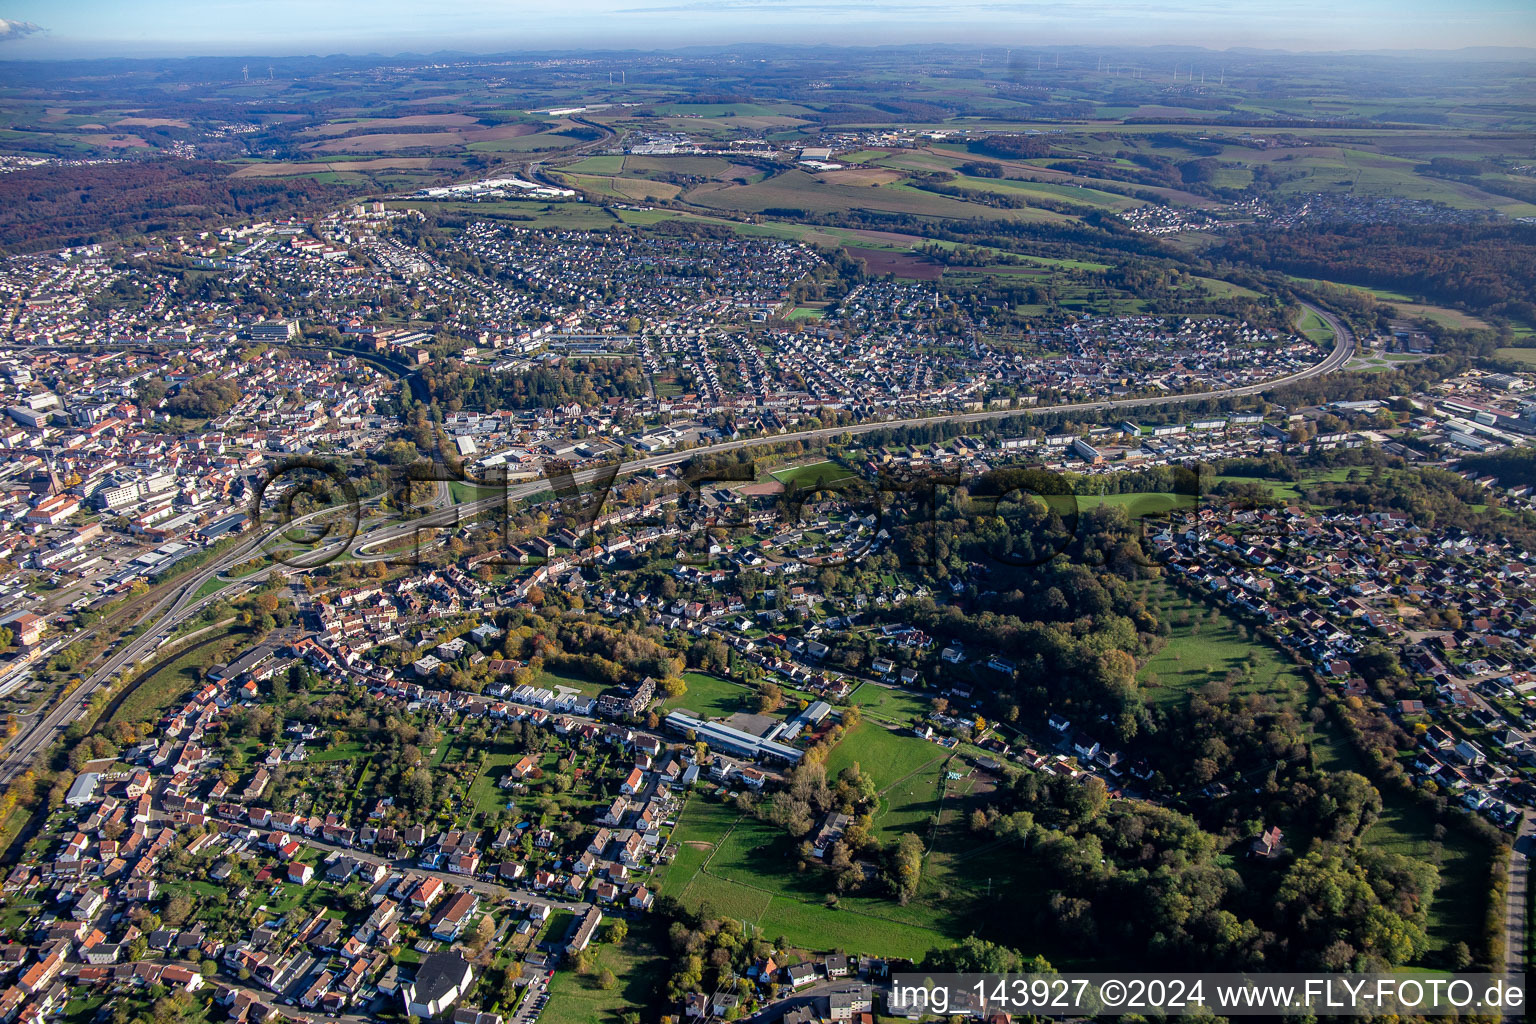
32,29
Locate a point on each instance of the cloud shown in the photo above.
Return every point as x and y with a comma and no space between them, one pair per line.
16,29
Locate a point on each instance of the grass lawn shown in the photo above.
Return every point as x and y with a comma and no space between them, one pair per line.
895,707
550,679
340,752
909,804
639,965
710,696
1070,193
1148,504
11,828
210,586
1519,355
485,792
700,825
1314,327
1199,651
816,474
1404,827
908,771
746,869
1287,491
1281,489
151,694
1456,912
463,492
885,756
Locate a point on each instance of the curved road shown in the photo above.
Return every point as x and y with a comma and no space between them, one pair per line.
1343,348
176,606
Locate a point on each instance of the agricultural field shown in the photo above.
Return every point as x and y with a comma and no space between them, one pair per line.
632,189
1069,193
388,142
799,190
879,262
363,166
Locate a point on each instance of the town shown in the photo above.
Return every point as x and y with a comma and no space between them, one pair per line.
698,537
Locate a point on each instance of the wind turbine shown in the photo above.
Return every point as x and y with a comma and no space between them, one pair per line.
245,73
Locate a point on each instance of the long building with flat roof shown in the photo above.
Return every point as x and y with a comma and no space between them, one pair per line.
732,741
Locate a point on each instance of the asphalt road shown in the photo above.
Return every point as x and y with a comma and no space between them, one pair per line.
1344,345
178,605
1515,938
167,612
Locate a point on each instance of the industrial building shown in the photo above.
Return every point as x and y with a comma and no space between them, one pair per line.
731,741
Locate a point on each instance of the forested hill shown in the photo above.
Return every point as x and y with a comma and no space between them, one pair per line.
1485,267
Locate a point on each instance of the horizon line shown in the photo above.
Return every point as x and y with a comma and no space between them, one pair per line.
1491,51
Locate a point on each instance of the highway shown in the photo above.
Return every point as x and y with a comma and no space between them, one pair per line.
172,608
366,545
180,603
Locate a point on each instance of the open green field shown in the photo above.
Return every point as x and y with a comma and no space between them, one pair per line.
1409,307
1138,504
1286,490
464,492
630,189
1226,289
485,793
911,804
152,694
1314,327
710,696
798,190
1519,355
575,216
1404,827
596,165
746,869
551,678
638,963
887,705
1381,362
816,474
699,166
210,586
885,755
1199,651
1089,197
